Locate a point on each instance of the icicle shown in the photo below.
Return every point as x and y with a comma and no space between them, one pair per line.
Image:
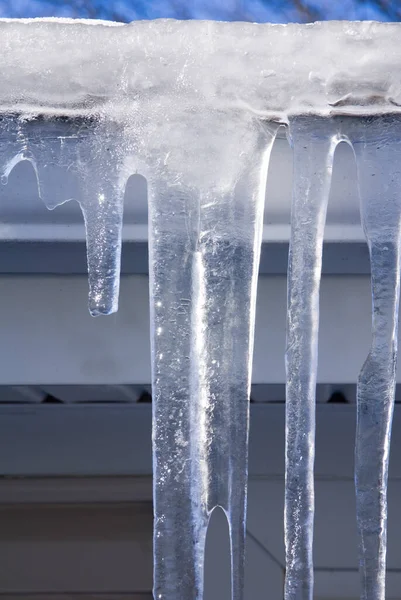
93,152
377,145
204,254
313,144
103,185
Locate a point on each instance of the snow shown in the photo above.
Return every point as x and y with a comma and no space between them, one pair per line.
272,71
62,20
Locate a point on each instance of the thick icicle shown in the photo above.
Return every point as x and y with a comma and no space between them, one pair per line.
377,145
313,144
204,255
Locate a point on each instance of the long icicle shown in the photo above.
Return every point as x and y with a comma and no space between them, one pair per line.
377,146
204,256
313,144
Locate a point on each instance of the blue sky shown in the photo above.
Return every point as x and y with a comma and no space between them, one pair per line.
277,11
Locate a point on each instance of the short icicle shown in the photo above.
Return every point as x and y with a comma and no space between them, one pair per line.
313,144
93,156
103,185
377,146
204,256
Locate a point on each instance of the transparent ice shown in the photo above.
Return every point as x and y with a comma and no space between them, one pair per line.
376,142
378,154
194,107
313,143
204,256
93,156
